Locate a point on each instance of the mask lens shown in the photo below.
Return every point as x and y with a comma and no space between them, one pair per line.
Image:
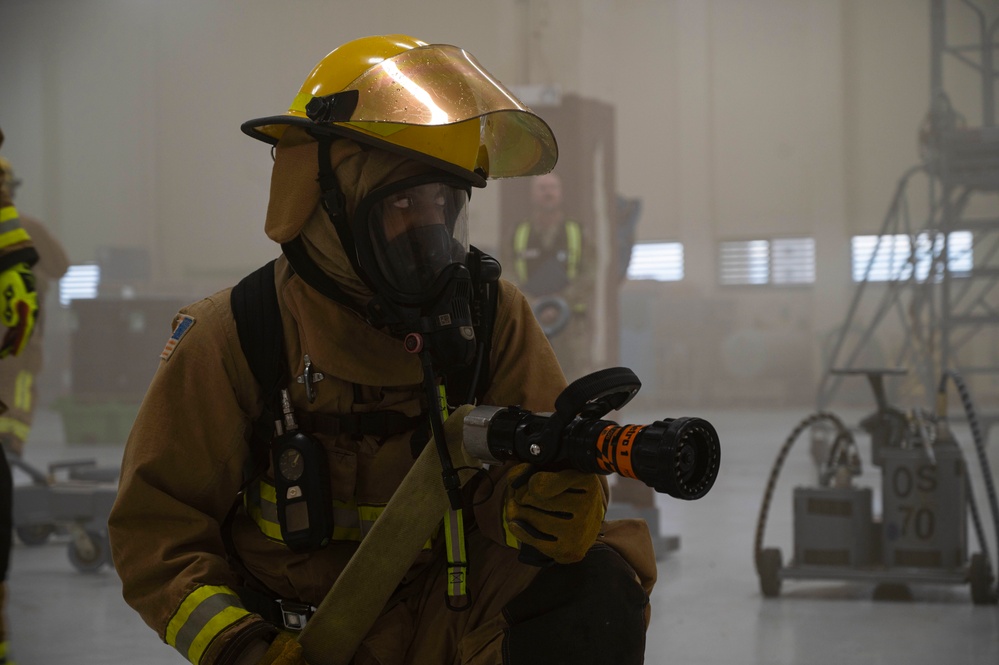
417,232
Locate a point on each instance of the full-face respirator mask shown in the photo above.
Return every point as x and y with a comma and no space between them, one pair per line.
411,239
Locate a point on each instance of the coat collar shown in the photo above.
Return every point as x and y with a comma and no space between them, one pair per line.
339,342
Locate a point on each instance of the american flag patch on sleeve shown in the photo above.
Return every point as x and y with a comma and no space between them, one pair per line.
178,334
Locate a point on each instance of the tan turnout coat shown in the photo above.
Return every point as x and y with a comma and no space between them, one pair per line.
184,463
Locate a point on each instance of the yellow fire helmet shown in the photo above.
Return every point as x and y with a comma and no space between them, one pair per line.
431,102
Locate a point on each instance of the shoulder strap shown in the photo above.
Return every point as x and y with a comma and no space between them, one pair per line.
258,322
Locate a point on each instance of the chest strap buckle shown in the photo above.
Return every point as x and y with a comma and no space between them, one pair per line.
295,615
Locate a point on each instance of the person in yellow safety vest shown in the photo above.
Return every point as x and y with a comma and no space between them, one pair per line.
373,168
18,300
552,259
18,387
18,310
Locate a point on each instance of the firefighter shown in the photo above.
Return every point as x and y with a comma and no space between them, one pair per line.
373,168
18,310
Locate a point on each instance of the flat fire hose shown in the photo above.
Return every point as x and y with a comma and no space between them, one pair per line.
333,634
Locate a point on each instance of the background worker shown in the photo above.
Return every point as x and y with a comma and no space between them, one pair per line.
372,336
18,310
18,386
552,261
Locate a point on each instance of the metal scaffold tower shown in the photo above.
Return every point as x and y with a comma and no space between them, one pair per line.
936,291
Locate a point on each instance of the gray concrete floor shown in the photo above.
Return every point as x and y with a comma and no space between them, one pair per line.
707,606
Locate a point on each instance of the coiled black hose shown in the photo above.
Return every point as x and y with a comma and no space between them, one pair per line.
842,433
983,461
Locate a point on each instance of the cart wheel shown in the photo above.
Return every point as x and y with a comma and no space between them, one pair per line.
980,578
768,566
34,534
90,556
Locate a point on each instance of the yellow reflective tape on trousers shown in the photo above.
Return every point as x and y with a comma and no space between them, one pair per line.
206,612
11,232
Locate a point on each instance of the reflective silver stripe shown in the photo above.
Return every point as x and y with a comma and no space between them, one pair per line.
11,231
345,514
206,612
346,521
11,223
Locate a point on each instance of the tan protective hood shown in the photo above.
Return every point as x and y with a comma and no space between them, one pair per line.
294,207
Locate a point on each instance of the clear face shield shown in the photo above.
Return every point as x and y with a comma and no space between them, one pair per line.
414,229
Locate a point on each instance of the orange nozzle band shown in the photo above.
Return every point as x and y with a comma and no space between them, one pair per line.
614,449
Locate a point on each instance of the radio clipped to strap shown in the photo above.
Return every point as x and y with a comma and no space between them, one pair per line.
301,479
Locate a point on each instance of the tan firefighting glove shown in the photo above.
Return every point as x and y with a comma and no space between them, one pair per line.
557,513
18,308
285,650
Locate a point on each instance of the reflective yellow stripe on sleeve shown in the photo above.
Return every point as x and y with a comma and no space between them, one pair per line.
205,613
11,232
